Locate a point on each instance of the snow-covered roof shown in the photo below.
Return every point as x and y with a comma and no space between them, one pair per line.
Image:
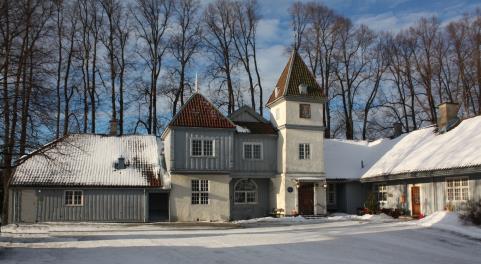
349,159
425,150
90,160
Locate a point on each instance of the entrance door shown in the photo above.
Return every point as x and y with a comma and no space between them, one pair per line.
158,207
306,198
415,201
29,206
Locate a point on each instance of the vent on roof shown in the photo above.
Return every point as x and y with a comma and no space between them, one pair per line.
120,163
302,88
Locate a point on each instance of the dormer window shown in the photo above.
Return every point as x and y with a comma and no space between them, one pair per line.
303,89
120,165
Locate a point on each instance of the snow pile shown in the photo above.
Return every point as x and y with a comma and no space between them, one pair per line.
348,159
425,150
289,219
450,221
380,218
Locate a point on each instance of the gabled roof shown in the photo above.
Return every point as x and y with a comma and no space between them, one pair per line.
425,150
90,160
295,73
200,112
249,121
350,159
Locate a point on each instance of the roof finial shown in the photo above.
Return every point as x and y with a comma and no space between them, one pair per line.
196,84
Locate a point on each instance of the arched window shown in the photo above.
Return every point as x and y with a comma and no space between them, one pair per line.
245,192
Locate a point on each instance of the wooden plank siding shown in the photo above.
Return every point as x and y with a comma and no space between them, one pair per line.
99,205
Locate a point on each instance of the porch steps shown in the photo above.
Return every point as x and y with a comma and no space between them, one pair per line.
314,217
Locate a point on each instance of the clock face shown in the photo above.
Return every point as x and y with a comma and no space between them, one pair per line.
290,189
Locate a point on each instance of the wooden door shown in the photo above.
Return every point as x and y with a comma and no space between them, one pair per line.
306,198
415,201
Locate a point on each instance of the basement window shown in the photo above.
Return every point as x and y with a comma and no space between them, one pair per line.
457,189
74,198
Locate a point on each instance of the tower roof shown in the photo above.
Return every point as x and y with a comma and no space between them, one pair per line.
294,74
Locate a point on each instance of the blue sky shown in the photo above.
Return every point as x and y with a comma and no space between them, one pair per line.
389,15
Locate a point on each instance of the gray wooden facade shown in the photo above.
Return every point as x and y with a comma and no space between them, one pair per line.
180,156
266,167
350,195
432,186
40,204
247,211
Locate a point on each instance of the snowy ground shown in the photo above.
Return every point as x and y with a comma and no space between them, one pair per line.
332,241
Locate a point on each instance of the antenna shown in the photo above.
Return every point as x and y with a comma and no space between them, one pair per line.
196,83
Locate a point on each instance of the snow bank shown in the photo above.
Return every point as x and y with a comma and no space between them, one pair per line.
381,218
450,221
294,219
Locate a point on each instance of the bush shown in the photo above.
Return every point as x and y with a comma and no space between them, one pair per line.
471,212
371,203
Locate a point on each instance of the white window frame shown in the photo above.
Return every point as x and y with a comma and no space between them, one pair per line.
460,188
202,148
72,199
245,193
200,192
252,145
304,156
331,189
381,194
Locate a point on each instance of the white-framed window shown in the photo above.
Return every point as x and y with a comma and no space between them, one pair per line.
331,194
202,148
252,151
457,189
245,192
381,194
304,151
200,191
74,198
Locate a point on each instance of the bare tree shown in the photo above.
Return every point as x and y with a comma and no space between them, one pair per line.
152,17
184,43
352,56
219,39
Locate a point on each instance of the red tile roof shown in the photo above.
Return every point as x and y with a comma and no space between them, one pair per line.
199,112
295,73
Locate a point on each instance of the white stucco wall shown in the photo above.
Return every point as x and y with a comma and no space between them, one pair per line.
181,208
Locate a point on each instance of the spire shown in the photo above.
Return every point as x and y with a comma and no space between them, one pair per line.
196,83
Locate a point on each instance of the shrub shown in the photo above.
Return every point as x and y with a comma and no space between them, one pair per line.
371,202
471,212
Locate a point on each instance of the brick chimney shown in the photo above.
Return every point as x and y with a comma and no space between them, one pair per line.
113,127
447,115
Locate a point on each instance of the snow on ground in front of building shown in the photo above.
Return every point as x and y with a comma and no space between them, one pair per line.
333,217
449,221
328,242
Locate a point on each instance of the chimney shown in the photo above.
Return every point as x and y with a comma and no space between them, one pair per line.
113,127
447,116
397,129
121,163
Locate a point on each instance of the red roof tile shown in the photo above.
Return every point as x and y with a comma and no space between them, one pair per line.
199,112
295,73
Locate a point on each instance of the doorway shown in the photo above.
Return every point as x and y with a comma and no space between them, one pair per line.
306,198
158,207
415,201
